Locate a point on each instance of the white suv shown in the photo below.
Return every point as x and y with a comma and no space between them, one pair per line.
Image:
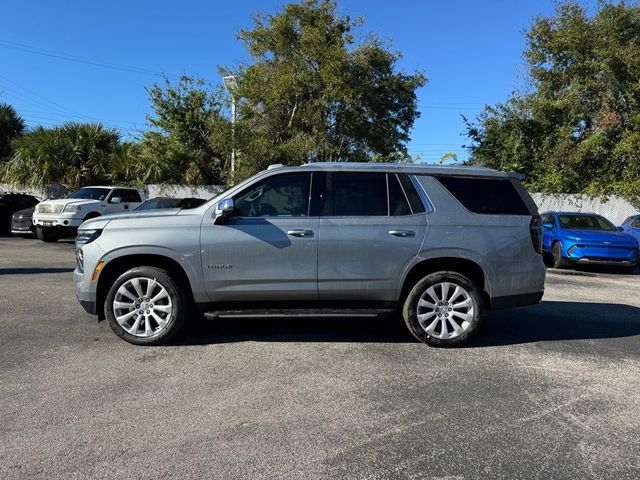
56,218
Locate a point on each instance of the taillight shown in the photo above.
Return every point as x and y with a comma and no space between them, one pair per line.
535,227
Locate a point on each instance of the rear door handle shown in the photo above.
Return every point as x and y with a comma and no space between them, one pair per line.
300,232
402,233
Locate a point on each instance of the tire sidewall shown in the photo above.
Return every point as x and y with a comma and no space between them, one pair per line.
558,261
179,314
409,311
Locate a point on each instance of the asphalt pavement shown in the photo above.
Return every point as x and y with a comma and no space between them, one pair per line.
549,391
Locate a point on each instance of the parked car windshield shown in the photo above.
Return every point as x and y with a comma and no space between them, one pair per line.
91,193
585,222
158,203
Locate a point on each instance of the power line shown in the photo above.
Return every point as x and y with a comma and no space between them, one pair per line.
74,58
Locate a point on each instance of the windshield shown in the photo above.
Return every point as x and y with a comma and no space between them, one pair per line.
91,193
585,222
157,203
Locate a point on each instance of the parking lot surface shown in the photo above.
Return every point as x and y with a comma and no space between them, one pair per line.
550,391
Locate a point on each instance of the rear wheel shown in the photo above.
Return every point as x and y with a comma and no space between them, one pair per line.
146,306
558,260
47,235
443,309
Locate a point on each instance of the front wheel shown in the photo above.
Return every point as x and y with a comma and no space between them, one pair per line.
47,235
146,306
558,260
443,309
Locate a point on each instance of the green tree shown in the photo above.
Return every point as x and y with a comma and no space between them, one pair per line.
577,128
311,93
190,140
11,127
72,155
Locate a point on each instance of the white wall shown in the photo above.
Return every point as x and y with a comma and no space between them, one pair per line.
614,208
200,191
52,191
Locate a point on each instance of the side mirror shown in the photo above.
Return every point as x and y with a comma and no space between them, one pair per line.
225,209
115,200
548,226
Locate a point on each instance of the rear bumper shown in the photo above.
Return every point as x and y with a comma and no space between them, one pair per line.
520,300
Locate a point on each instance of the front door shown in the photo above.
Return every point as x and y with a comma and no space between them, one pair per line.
269,251
368,236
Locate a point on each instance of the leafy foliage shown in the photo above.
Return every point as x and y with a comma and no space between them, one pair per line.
312,94
191,139
11,127
578,127
72,155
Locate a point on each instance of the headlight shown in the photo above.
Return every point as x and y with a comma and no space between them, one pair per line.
84,237
72,208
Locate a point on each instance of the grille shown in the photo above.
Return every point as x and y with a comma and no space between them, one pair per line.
49,208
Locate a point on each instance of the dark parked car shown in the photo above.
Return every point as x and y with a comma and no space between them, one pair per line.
22,223
631,226
158,203
11,203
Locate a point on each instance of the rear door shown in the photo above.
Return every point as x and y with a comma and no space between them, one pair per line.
368,234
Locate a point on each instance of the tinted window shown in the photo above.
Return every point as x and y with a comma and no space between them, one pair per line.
412,195
585,222
91,193
127,196
359,194
191,202
486,195
284,195
398,204
157,203
636,224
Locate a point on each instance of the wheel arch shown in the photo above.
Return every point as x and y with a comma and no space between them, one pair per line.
469,268
117,266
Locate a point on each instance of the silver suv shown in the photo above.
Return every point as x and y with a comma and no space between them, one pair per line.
439,244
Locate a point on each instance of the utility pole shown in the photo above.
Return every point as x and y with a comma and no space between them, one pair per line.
230,84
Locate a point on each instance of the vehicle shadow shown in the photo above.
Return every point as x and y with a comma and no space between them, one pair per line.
547,321
32,270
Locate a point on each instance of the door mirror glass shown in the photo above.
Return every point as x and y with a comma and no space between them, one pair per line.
115,200
548,226
225,209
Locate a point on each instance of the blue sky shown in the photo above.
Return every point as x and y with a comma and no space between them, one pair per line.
471,52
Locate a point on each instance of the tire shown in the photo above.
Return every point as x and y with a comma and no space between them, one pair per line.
558,259
547,258
174,309
626,270
425,321
47,235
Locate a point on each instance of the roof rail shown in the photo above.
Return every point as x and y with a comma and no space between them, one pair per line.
275,165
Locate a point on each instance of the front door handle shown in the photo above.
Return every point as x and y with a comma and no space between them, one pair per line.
300,232
402,233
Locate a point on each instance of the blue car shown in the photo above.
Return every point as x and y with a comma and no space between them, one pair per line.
632,226
570,238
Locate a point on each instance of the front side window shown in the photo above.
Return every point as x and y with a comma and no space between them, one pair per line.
636,224
359,194
127,196
285,195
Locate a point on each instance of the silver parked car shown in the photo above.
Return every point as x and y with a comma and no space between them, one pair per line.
440,244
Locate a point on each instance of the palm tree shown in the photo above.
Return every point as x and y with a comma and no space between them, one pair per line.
11,127
72,155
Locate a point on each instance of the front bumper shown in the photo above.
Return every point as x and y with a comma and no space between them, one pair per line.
580,254
57,220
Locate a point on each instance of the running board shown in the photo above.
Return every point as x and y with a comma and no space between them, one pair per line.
300,313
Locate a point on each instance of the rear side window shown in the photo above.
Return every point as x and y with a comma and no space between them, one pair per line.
486,195
359,194
398,204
